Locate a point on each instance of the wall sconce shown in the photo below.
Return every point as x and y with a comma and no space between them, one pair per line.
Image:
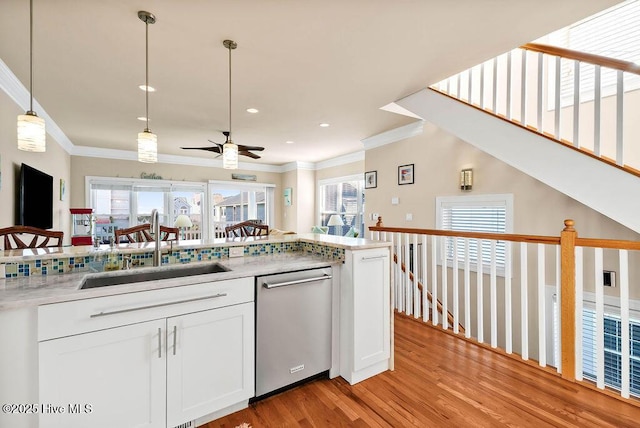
466,179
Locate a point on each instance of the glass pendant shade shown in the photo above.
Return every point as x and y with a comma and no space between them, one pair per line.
31,133
147,147
229,155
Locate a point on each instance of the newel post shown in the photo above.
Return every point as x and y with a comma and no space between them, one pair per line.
568,299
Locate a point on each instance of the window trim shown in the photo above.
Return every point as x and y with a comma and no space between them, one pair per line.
172,185
497,199
268,188
337,180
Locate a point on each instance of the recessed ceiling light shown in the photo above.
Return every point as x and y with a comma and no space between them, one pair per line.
288,142
147,88
252,110
143,119
324,125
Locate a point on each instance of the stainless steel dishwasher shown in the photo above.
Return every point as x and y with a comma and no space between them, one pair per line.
293,328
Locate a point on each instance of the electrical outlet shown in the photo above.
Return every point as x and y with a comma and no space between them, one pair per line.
609,278
409,217
236,251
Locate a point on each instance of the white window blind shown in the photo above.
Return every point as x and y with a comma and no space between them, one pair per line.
613,33
483,213
612,350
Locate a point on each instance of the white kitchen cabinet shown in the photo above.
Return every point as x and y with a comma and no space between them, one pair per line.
119,372
210,362
194,358
365,321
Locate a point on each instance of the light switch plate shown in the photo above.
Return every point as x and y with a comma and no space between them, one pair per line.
236,251
409,217
395,201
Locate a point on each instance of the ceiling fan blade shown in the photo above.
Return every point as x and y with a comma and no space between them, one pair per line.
254,148
209,149
248,154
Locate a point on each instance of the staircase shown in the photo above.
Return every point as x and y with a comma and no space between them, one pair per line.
565,128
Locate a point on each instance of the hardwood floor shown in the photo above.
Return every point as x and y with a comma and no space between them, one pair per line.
440,381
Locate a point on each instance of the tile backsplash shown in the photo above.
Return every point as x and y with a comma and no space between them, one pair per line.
113,260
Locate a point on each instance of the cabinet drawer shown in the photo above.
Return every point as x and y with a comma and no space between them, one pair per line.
82,316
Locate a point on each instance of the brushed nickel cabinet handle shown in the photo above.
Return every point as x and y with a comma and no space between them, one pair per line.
159,305
175,336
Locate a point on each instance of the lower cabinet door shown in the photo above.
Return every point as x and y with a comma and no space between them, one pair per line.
109,378
371,311
210,361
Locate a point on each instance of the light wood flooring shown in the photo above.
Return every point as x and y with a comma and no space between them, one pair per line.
440,381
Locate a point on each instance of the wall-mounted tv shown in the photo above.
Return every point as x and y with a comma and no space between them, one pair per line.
35,207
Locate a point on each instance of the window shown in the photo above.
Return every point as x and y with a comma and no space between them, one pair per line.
236,202
612,350
481,213
343,196
122,203
611,33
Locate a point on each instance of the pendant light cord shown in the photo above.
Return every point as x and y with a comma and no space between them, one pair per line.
230,91
146,60
31,56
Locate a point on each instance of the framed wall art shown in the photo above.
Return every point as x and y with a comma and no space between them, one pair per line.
405,174
371,179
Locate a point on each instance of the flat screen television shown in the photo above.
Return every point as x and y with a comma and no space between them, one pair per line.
35,206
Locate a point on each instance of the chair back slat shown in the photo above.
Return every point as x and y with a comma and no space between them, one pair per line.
40,237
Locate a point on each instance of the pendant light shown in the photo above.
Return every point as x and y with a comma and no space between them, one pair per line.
229,150
32,135
147,141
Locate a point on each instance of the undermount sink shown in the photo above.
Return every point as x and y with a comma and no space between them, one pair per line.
169,273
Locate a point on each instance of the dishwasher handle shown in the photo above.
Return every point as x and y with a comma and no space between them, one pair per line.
268,285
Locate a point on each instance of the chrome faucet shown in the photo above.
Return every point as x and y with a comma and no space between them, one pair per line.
155,229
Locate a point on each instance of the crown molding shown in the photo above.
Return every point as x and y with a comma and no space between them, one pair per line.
14,88
296,165
341,160
97,152
393,135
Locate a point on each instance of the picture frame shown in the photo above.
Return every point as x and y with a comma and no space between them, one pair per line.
288,192
63,189
405,174
371,179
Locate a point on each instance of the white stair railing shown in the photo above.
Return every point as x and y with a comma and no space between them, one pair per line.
569,303
583,100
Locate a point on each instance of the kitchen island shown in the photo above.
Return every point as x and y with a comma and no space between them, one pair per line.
28,327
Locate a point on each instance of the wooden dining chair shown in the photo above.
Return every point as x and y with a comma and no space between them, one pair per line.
246,228
14,237
142,233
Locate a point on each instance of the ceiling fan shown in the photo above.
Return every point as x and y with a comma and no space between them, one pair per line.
218,148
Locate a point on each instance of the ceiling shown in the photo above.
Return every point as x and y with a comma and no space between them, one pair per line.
299,62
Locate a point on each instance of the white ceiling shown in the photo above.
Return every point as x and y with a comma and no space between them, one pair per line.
299,62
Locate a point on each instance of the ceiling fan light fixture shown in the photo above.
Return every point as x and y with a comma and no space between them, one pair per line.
32,135
229,155
147,141
147,147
